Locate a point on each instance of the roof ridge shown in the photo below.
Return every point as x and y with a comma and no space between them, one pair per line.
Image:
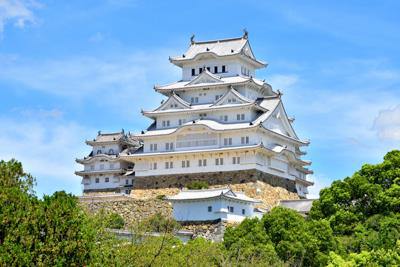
219,40
206,189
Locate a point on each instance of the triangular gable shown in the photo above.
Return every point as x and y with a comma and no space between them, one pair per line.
232,97
205,77
248,51
278,122
174,102
230,193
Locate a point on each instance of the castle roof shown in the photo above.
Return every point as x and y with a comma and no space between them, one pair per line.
219,48
234,80
111,138
206,194
263,104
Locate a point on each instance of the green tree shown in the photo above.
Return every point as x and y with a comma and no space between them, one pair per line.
52,231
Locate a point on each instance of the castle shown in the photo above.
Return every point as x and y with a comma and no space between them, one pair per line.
219,123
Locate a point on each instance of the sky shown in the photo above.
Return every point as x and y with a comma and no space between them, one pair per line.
71,68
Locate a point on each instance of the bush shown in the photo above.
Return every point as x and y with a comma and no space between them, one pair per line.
161,224
115,221
197,185
160,197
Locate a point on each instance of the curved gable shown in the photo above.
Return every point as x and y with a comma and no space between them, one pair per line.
279,123
232,97
174,102
205,77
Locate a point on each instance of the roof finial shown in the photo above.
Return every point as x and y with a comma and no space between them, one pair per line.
99,133
245,34
192,39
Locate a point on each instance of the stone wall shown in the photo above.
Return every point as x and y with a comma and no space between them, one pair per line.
212,178
132,210
268,194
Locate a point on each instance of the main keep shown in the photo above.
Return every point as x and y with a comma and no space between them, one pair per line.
218,124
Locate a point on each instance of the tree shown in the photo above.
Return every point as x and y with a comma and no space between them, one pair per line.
52,231
249,243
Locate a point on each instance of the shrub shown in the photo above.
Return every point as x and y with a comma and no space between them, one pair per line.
115,221
197,185
161,224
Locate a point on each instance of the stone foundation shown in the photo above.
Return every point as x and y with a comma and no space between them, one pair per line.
132,210
212,178
268,194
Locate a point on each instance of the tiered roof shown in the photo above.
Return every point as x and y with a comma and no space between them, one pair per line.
223,81
219,49
112,138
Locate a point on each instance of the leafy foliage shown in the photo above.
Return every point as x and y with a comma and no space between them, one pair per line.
115,221
356,222
197,185
52,231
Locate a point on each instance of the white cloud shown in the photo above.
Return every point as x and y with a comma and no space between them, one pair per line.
283,81
320,183
46,147
387,124
18,12
113,81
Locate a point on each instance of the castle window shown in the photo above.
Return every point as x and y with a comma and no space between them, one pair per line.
153,166
193,72
230,209
97,180
185,164
219,161
92,167
106,179
236,160
202,162
169,164
194,100
169,146
98,151
223,68
240,117
200,70
208,68
215,69
153,147
101,166
111,166
181,121
223,118
228,141
209,208
244,140
243,211
110,151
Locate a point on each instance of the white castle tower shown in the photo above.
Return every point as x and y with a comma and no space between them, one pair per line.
220,124
103,170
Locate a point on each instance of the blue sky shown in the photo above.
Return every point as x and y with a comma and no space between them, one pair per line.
71,68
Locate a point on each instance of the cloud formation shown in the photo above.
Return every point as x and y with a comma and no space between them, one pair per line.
18,12
46,146
387,124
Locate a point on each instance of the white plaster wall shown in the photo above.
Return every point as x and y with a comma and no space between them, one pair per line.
215,115
105,149
233,67
198,210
